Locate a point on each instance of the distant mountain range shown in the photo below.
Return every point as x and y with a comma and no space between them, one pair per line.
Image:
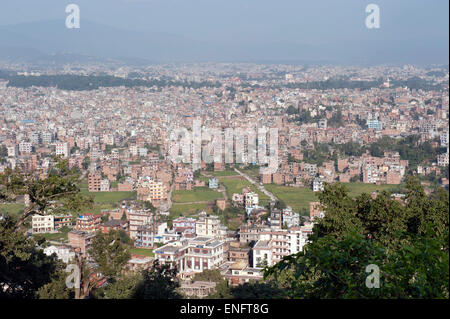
50,42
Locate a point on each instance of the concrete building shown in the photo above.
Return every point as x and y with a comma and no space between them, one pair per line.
42,224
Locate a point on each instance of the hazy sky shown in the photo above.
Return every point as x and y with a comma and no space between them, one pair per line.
420,26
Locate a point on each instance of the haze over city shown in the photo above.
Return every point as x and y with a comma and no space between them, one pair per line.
286,31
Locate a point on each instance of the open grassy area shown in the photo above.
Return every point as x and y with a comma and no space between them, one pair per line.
356,189
13,210
60,236
107,200
188,209
199,194
110,197
252,172
299,198
142,251
296,197
235,185
223,173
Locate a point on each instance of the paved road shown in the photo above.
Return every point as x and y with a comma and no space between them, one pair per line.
260,187
168,205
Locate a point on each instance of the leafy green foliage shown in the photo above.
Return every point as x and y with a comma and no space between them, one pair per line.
110,253
408,242
158,283
23,267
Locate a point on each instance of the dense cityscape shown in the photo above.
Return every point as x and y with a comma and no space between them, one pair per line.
368,131
223,158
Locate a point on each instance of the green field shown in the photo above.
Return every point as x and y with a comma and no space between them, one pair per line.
223,173
356,189
107,200
252,172
12,210
110,197
299,198
200,194
142,251
188,209
296,197
235,185
61,236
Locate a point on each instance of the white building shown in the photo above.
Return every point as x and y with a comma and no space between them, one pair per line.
251,199
317,184
210,226
25,147
63,253
62,149
193,255
104,185
13,151
272,246
442,159
444,139
42,224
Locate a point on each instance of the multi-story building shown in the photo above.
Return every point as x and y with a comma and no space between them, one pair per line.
25,147
139,218
251,199
273,246
315,210
209,226
62,149
193,255
183,224
80,241
88,222
42,224
104,185
317,184
13,150
94,182
62,221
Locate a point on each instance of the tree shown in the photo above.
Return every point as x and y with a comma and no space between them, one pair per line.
110,253
208,275
23,268
258,290
292,110
336,268
124,287
57,288
158,283
58,193
407,242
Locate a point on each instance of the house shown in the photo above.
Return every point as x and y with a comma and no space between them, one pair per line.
114,224
240,273
198,289
213,183
80,241
42,224
88,222
317,185
193,255
63,253
315,210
